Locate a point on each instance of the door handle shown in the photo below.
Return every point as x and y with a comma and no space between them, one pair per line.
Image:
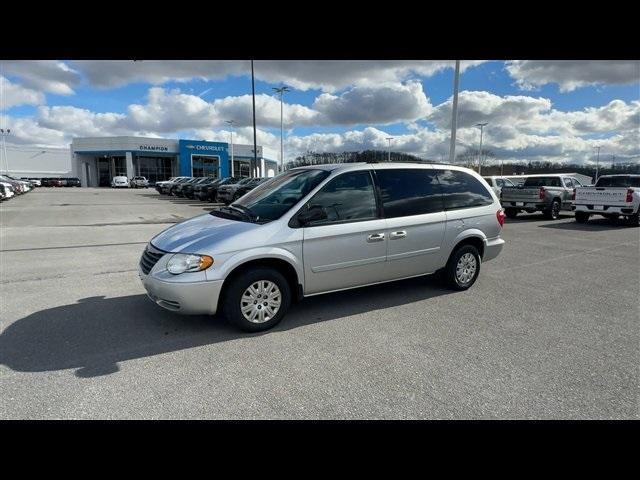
398,234
375,237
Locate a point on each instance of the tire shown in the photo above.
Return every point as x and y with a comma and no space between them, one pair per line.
582,217
456,279
511,212
634,220
553,212
240,285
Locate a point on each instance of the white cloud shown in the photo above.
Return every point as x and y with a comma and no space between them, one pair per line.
13,95
49,76
572,74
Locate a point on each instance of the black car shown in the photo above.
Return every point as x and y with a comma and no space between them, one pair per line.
73,182
171,188
247,187
178,190
188,189
210,191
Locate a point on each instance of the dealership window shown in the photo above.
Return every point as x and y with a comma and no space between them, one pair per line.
204,165
154,169
240,168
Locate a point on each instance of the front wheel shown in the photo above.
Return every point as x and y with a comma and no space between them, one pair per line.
256,300
582,217
463,268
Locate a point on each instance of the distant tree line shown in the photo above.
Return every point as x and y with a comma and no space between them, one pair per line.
468,158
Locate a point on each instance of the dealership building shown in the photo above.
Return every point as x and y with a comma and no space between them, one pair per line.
96,160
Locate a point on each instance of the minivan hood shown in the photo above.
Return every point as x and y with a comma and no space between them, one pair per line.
199,234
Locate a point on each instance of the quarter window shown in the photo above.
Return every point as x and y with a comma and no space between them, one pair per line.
407,192
348,197
461,190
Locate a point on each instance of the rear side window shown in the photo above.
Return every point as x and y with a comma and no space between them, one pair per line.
542,182
461,190
407,192
618,182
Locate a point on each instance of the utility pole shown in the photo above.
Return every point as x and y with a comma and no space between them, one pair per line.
281,91
454,113
255,141
597,161
481,125
389,149
231,122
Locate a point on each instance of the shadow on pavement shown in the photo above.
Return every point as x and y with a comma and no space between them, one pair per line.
96,333
593,225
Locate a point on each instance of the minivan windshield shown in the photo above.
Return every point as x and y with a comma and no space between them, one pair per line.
275,197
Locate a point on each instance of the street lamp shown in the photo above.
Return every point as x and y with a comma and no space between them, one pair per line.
231,122
481,125
4,134
597,161
281,91
454,113
389,150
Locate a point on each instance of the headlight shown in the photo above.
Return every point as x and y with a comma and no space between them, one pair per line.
184,262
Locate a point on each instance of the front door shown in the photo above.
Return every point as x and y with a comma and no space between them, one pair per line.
348,248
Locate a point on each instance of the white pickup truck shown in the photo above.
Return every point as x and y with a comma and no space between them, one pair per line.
612,196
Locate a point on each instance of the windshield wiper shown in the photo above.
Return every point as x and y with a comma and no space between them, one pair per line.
245,211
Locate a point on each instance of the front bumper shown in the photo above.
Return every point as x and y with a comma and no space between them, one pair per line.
187,298
492,248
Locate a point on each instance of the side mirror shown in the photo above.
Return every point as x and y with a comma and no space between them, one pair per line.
313,214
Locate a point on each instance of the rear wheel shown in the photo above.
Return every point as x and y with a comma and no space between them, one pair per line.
553,212
634,220
463,268
582,217
256,300
511,212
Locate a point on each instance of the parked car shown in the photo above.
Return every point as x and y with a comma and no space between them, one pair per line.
320,229
177,189
159,185
19,186
209,192
548,194
7,190
497,182
139,182
612,196
120,182
517,180
33,181
226,192
247,187
73,182
166,187
56,182
188,188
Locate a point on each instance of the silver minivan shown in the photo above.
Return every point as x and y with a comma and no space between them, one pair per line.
320,229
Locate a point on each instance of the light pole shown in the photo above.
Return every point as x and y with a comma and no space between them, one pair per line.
389,149
481,125
597,161
281,91
255,141
231,122
454,113
4,134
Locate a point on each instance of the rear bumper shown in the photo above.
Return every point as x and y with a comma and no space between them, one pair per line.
606,210
525,205
187,298
492,248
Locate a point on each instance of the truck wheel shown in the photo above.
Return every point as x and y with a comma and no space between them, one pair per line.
256,300
463,268
634,220
582,217
511,212
553,212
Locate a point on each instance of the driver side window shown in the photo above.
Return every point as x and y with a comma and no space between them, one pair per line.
347,198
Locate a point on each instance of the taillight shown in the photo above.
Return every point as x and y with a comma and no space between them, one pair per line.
541,193
573,197
629,195
501,216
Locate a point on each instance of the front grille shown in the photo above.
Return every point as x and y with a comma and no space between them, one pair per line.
149,258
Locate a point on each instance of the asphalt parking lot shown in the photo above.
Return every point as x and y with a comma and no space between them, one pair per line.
550,330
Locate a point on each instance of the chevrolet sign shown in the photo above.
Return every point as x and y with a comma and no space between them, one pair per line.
206,147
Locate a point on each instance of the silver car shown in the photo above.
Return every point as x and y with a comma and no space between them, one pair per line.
323,228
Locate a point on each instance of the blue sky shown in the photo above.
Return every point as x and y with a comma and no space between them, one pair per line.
541,110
